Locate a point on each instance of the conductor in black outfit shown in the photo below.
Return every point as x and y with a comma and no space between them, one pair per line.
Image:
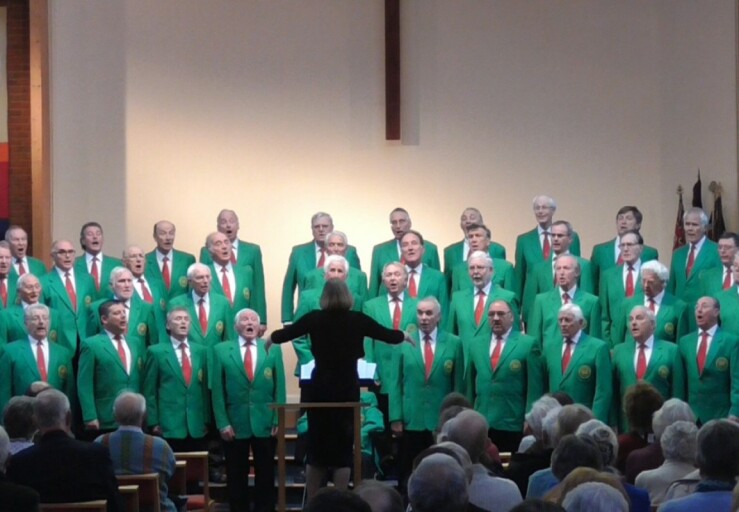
337,342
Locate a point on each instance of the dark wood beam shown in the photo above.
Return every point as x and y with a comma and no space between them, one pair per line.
392,69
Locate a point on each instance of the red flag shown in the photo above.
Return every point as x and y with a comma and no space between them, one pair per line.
679,238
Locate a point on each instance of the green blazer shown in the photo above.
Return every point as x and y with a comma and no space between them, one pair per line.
19,370
160,297
13,326
603,257
10,284
220,319
504,276
382,353
73,322
414,400
245,295
356,281
101,377
505,394
302,261
249,254
729,301
690,288
35,266
588,378
242,404
612,295
664,372
672,319
181,261
142,324
528,254
387,252
715,393
310,300
542,280
432,284
453,257
180,410
712,281
544,321
109,263
461,318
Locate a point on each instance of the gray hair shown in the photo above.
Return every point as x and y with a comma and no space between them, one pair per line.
595,496
4,449
380,496
656,268
570,417
678,441
572,309
335,258
194,268
320,215
647,312
696,211
129,409
480,255
469,429
539,410
33,308
549,426
51,409
550,201
434,302
177,309
117,272
244,311
671,411
463,458
425,493
25,277
395,264
336,233
603,436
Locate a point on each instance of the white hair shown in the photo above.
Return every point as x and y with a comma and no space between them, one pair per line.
194,268
480,255
550,201
336,258
679,441
696,211
671,411
603,436
574,310
595,496
656,268
540,410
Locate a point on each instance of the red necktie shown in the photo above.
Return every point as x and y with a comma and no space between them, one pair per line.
94,272
121,351
619,260
4,292
165,273
702,349
412,290
21,268
727,279
248,366
396,314
186,366
480,306
428,355
652,306
495,357
41,362
70,290
226,286
202,316
691,261
233,257
565,298
546,247
567,355
322,259
145,291
630,282
641,363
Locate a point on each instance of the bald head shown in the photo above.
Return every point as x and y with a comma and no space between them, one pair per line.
469,429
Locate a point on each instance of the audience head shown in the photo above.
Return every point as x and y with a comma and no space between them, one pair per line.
604,438
671,411
425,492
444,417
18,418
454,451
455,398
563,398
52,411
129,409
595,496
718,450
537,505
581,476
540,409
380,496
549,428
641,401
570,417
4,449
329,499
574,452
469,429
678,441
37,387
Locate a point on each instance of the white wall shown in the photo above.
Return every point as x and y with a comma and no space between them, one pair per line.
178,108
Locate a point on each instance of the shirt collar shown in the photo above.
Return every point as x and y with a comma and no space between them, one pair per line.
433,334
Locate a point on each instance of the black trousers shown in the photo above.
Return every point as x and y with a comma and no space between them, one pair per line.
188,444
412,443
237,468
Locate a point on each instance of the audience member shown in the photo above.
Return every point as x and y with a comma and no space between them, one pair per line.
584,475
136,453
537,506
13,497
425,493
678,443
60,468
595,496
20,424
641,401
329,499
380,496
